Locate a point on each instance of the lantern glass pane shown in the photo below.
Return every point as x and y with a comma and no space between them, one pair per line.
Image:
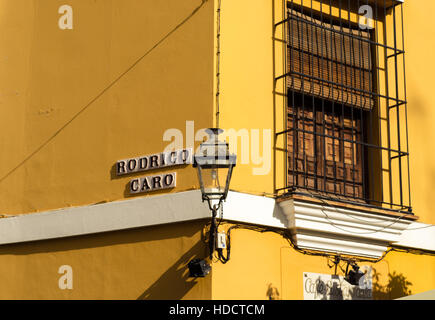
214,181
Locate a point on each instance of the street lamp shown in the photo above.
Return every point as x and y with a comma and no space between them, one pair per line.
215,166
353,276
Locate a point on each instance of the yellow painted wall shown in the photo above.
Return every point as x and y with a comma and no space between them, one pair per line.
48,76
73,102
420,68
259,260
250,59
246,84
144,263
52,79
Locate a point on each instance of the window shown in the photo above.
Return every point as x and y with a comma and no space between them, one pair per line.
324,148
346,130
330,59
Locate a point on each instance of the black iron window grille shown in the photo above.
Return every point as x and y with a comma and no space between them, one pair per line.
346,128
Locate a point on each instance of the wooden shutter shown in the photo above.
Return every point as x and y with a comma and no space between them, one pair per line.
322,163
328,64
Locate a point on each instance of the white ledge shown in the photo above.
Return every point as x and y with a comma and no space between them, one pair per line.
112,216
418,236
136,213
342,231
313,226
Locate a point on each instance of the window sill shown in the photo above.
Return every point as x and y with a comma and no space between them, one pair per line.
351,206
340,228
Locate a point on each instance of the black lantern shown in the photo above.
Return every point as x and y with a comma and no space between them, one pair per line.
353,276
198,268
215,166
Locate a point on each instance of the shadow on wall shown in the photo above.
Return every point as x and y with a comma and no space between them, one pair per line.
397,286
272,292
161,280
333,291
174,283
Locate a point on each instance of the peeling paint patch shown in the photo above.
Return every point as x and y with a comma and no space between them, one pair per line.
46,111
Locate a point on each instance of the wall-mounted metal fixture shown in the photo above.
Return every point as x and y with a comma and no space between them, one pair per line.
215,166
353,276
198,268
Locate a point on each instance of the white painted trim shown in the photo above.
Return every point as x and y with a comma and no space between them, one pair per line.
112,216
418,236
343,231
261,210
135,213
310,227
427,295
348,247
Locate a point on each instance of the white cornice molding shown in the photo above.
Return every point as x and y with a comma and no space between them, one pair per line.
342,231
111,216
418,236
248,208
136,213
313,226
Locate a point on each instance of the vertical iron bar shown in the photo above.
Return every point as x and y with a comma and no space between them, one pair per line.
406,109
302,67
333,50
388,106
353,78
314,135
343,80
361,119
285,34
371,187
294,109
397,108
378,104
323,139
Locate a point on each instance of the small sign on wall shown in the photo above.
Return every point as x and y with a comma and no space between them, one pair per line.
154,161
318,286
151,162
152,183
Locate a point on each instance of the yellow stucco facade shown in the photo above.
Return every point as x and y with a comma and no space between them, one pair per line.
138,264
114,80
75,101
